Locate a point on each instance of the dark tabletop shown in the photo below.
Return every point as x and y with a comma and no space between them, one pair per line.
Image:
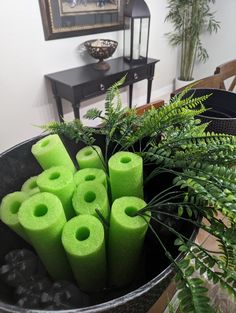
87,73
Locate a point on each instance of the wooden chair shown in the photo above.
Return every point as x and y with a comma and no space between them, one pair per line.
213,81
227,70
156,104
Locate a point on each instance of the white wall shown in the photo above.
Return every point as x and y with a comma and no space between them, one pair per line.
221,47
25,57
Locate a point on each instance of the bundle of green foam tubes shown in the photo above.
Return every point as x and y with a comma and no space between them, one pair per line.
82,223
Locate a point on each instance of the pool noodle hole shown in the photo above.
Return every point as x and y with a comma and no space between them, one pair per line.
82,233
15,207
89,196
131,211
40,210
89,177
125,159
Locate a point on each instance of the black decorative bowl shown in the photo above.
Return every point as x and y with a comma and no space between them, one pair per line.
101,49
16,165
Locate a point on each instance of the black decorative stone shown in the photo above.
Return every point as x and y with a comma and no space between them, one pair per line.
20,266
63,296
30,294
34,289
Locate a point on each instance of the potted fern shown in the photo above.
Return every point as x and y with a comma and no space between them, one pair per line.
203,184
172,143
190,18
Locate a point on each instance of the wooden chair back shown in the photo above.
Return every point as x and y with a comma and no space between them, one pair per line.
156,104
227,70
213,81
140,110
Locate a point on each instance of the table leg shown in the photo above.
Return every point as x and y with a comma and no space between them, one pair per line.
59,108
130,95
149,89
76,107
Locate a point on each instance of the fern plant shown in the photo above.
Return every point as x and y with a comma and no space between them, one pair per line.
172,140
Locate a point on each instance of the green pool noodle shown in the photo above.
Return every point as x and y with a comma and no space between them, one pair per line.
90,157
59,180
90,196
126,237
90,174
43,218
83,241
30,186
50,151
9,209
126,175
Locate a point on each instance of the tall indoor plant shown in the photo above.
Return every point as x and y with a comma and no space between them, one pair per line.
190,19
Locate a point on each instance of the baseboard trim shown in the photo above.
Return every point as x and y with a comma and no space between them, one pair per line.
162,92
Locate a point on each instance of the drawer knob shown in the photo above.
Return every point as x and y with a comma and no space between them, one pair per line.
135,76
102,87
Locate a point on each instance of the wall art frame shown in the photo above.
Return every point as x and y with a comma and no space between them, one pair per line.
68,18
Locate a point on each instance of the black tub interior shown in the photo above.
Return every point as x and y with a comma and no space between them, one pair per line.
17,165
221,109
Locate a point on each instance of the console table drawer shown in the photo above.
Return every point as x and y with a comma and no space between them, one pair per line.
99,87
137,74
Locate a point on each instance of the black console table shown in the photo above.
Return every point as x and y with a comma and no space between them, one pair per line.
85,82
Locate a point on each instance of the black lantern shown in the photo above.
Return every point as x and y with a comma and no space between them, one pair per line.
136,31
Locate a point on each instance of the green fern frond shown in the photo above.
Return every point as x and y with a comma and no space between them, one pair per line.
183,147
184,92
206,262
111,94
175,114
192,294
228,254
73,130
210,265
93,113
211,189
174,107
212,154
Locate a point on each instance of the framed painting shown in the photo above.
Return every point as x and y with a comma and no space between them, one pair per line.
67,18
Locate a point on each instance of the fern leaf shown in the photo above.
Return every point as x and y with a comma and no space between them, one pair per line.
73,130
93,113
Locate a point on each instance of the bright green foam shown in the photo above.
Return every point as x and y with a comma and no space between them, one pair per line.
90,157
9,209
50,151
126,175
90,174
90,196
59,181
30,186
43,218
83,241
126,235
